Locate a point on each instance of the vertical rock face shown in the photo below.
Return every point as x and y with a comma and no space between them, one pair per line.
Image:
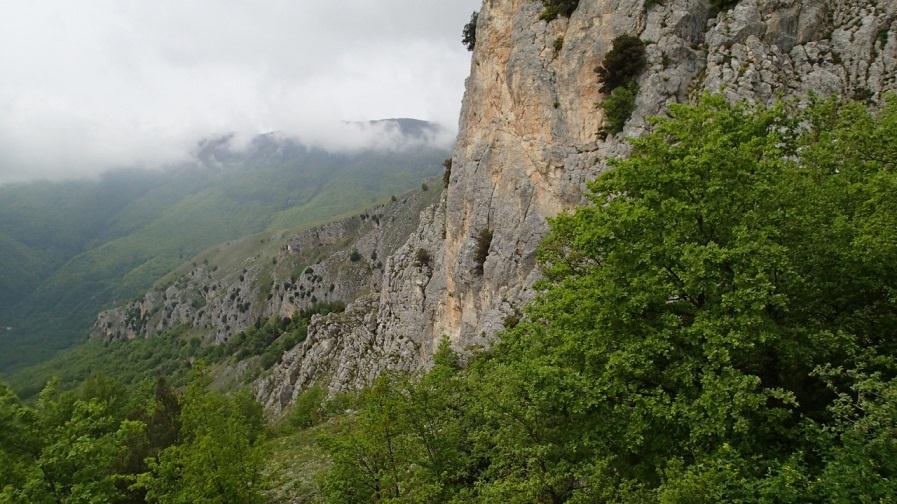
529,140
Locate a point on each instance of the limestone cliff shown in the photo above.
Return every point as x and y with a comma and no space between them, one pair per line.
529,140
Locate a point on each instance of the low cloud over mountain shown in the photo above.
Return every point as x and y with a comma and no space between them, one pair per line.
104,83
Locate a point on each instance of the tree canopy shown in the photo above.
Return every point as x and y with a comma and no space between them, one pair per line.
716,325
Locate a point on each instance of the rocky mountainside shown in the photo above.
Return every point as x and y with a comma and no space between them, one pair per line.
530,137
229,288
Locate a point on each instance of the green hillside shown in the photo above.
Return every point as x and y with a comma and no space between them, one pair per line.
70,249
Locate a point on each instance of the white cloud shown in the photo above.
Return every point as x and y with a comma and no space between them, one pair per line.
92,84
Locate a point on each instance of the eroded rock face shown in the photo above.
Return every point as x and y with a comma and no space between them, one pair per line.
529,141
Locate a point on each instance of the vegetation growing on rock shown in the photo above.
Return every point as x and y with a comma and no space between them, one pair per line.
422,258
621,66
484,241
469,33
618,107
554,8
623,63
447,174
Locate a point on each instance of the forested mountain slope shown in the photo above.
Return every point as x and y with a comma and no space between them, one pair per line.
70,249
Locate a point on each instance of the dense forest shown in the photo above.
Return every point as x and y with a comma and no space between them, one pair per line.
717,325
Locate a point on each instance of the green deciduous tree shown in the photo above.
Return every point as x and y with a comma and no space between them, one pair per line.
218,459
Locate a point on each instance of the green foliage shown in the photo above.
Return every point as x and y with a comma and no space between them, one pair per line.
354,256
396,448
554,8
484,241
618,107
75,446
308,409
721,5
166,354
218,459
469,33
447,174
623,63
422,258
716,326
105,442
272,338
558,45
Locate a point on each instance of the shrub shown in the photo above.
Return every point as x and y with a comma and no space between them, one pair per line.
354,256
469,33
422,257
484,241
322,308
555,8
623,63
447,174
424,187
558,44
722,5
307,411
618,107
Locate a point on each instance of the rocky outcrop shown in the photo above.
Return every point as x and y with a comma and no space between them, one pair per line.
230,288
529,140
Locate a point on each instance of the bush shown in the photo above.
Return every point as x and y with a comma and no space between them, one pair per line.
618,108
308,409
424,187
422,257
469,33
623,63
354,256
555,8
322,308
447,174
722,5
484,241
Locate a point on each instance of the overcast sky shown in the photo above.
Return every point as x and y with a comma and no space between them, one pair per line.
91,84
